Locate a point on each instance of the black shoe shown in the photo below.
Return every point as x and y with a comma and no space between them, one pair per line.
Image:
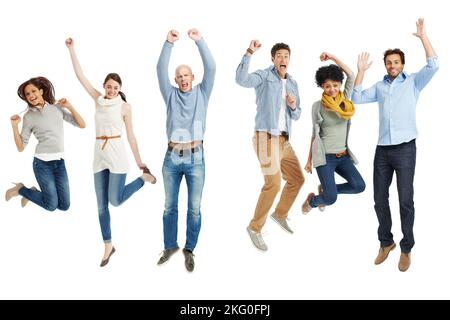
167,253
189,260
105,262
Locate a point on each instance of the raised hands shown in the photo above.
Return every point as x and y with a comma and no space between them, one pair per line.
194,34
15,119
254,45
173,36
64,103
420,33
69,43
363,62
324,56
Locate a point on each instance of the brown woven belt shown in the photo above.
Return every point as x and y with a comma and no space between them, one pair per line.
341,154
106,138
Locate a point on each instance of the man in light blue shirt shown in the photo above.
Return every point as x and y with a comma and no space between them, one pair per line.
397,97
186,118
277,103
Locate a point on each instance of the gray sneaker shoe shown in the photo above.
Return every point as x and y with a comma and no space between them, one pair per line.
257,239
167,253
281,222
188,260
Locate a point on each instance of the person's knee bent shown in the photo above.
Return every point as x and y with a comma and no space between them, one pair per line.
360,187
64,206
329,198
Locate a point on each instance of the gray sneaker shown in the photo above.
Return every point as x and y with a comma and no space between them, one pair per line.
167,253
281,222
257,239
188,260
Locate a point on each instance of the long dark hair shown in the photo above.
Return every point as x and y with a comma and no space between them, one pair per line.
116,78
40,83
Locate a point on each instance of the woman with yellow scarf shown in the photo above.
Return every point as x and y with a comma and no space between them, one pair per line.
329,151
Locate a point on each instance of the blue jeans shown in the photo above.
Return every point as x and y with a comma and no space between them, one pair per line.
54,184
344,167
111,188
401,159
192,166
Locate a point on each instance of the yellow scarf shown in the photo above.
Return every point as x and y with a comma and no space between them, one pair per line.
333,104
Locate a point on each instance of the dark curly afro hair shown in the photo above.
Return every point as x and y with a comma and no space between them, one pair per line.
331,72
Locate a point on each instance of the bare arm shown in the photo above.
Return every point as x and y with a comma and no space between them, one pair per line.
130,135
79,72
15,120
421,34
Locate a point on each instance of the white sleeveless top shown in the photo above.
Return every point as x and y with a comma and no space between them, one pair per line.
109,122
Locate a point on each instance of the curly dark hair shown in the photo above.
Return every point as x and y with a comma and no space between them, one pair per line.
40,83
279,46
331,72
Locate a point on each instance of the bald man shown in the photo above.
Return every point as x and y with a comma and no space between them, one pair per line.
186,118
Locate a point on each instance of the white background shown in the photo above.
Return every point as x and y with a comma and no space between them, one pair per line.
330,255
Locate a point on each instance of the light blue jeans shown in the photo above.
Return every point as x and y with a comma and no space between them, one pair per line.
111,188
192,166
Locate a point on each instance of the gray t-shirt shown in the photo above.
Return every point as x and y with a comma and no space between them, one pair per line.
47,126
333,131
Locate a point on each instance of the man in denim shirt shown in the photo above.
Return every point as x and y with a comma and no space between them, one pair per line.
397,97
277,103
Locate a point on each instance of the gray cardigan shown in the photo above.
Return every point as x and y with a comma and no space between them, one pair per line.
318,149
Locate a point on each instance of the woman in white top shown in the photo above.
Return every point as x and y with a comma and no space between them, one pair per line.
110,160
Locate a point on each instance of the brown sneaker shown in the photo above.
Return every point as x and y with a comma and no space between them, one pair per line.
306,206
383,253
404,262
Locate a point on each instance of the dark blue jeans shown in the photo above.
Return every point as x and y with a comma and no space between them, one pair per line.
344,167
400,159
54,184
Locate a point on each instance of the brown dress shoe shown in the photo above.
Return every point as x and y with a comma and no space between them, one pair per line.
383,253
404,262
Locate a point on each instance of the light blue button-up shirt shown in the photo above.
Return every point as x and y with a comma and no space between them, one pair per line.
186,111
397,100
268,88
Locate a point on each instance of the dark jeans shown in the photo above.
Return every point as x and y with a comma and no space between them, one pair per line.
401,159
344,167
54,184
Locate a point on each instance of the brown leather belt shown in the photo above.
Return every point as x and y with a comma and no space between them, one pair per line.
341,154
106,138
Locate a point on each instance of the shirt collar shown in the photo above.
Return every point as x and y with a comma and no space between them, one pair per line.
274,71
400,78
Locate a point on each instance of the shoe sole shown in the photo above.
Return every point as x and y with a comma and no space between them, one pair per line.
288,231
262,250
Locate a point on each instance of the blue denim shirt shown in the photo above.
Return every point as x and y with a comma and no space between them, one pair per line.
186,111
397,100
268,88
